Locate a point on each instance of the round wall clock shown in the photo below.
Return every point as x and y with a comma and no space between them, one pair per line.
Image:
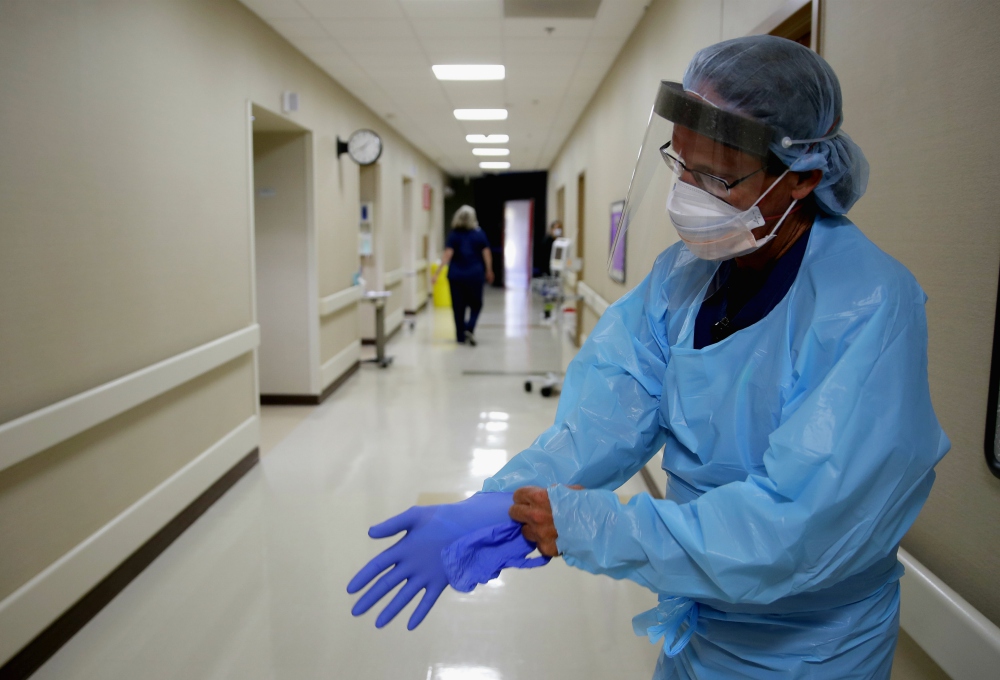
364,147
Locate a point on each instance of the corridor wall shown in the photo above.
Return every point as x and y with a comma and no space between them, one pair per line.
920,88
127,327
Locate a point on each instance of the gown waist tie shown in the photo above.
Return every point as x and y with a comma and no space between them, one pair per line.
675,617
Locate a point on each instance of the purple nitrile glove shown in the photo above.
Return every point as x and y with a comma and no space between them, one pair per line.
417,557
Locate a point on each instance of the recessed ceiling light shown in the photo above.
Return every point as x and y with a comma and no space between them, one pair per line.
481,114
491,152
487,139
494,165
469,71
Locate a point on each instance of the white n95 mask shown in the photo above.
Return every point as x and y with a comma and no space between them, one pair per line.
713,229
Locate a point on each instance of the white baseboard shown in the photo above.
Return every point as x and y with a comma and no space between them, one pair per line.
339,364
337,301
37,431
963,642
31,608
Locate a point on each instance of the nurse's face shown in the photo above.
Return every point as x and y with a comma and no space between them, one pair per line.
714,160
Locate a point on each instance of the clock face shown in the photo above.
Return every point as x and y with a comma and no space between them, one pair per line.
364,146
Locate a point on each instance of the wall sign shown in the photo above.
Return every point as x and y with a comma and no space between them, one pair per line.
616,257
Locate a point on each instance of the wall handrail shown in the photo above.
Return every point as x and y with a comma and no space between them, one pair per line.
394,277
963,642
338,301
39,430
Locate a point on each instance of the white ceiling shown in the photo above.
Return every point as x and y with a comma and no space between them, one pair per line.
382,52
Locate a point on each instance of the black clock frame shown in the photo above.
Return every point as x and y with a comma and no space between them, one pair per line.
342,146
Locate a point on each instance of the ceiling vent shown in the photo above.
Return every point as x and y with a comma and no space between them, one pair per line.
551,9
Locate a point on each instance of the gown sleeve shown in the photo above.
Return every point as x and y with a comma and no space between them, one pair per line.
607,424
847,470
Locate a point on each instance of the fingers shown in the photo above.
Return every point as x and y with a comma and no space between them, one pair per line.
375,566
402,598
531,495
378,591
533,511
430,597
404,521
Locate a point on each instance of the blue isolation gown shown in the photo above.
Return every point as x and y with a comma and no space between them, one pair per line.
799,451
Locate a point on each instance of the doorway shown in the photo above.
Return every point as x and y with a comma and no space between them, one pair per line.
371,246
518,233
282,256
409,254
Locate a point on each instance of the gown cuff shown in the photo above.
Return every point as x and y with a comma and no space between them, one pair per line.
582,519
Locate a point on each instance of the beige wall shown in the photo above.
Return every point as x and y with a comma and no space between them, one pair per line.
337,331
51,501
921,87
126,237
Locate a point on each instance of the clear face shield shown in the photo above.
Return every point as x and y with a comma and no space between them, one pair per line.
700,172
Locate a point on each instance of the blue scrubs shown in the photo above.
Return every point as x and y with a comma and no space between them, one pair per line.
466,277
799,451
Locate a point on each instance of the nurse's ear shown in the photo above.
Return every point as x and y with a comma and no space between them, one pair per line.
803,183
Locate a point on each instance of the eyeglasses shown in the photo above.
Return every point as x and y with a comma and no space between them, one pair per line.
710,183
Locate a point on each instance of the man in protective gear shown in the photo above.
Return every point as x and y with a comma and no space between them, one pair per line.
779,359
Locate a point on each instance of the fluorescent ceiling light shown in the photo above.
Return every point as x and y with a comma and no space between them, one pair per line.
491,152
469,71
481,114
494,165
487,139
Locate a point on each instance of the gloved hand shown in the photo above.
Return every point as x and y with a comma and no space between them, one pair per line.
417,557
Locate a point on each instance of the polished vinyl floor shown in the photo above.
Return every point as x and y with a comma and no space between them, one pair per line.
256,588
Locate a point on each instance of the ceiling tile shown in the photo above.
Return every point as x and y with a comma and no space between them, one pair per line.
546,46
464,50
400,48
537,28
368,28
458,28
453,9
277,9
353,9
382,50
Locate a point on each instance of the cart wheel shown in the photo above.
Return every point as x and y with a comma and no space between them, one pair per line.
546,391
527,385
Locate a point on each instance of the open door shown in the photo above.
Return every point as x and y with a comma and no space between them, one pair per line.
283,255
518,233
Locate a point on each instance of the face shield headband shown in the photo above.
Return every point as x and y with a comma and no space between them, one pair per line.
716,144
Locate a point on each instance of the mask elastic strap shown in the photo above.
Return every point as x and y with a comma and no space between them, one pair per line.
780,222
773,184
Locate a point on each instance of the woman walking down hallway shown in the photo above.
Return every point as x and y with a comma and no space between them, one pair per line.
470,265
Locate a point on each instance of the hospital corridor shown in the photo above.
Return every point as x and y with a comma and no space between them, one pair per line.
499,339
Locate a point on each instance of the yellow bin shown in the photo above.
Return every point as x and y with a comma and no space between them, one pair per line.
442,293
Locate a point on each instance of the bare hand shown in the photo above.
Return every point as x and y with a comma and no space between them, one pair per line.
534,511
489,277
